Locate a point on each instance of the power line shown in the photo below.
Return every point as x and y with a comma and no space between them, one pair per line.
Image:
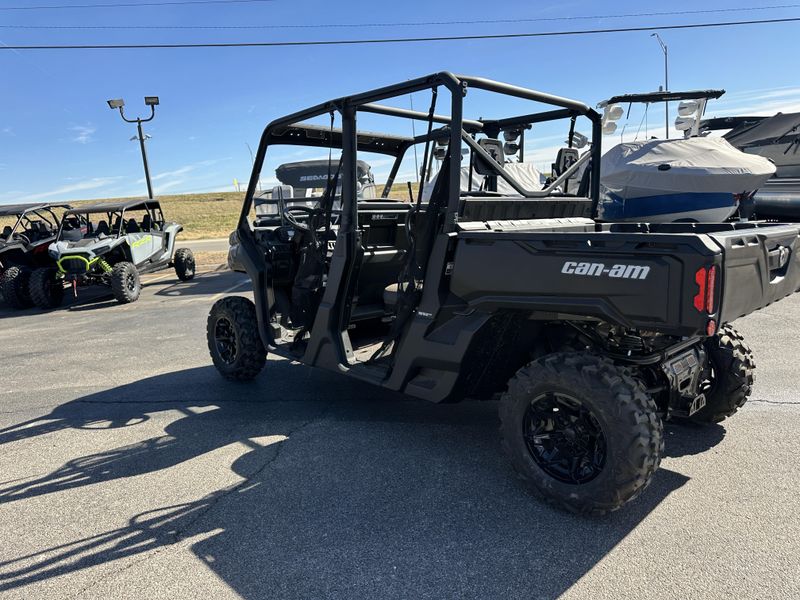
403,24
451,38
132,4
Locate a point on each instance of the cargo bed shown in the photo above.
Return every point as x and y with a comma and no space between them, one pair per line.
680,278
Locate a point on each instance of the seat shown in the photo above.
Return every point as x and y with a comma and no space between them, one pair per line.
7,231
132,226
147,223
102,228
390,295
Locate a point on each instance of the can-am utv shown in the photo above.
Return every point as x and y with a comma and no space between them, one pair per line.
591,334
110,244
26,230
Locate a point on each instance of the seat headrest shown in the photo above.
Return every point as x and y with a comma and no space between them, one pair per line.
495,149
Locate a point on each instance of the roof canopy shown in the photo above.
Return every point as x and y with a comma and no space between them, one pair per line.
304,134
652,97
8,210
107,207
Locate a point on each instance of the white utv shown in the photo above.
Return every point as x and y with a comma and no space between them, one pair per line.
110,244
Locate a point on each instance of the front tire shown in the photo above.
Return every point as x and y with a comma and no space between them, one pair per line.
46,288
184,264
16,287
233,339
581,432
732,374
125,282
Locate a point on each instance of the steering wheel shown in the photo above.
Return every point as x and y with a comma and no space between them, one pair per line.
311,212
23,237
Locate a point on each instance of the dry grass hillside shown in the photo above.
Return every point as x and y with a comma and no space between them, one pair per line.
213,215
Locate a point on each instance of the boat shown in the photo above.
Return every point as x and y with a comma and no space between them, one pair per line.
776,138
695,178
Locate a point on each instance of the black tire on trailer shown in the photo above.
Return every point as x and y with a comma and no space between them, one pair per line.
46,288
732,375
233,339
581,432
15,287
125,282
184,264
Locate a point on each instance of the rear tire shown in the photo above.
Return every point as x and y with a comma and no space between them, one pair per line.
581,432
15,287
732,377
125,282
233,339
184,264
46,288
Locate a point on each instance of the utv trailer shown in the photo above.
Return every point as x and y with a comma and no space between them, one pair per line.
26,231
111,244
591,334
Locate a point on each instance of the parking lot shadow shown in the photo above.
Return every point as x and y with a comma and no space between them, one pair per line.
362,494
207,283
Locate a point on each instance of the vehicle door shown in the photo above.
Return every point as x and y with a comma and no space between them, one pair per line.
144,240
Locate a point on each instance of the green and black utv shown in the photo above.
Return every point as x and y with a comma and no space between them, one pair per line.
111,244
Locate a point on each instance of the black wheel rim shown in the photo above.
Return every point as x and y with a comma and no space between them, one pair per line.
225,340
130,281
564,438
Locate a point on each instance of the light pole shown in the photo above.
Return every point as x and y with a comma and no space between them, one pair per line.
152,102
666,73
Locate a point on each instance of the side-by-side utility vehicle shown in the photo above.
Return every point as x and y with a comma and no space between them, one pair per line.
110,244
591,334
26,230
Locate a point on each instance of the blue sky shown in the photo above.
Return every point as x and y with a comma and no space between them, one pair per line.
60,141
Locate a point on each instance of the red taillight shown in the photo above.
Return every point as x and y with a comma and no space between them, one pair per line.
710,286
706,280
700,279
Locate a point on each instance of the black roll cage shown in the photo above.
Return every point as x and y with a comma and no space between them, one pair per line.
42,211
329,345
110,210
290,130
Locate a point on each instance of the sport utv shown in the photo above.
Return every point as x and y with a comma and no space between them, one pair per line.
27,230
592,334
111,244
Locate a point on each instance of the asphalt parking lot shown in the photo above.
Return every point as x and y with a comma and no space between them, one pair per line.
130,469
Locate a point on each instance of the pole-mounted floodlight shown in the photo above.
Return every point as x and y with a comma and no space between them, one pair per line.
152,102
666,72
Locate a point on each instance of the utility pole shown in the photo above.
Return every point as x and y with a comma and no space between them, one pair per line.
152,102
666,73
